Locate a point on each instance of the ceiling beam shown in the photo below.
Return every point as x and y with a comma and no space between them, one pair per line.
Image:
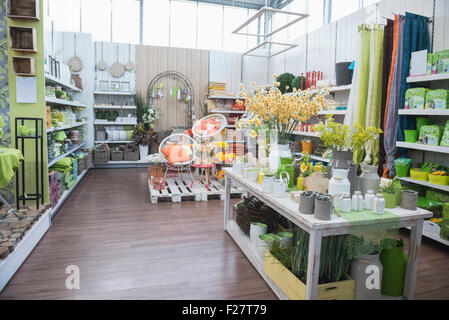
255,5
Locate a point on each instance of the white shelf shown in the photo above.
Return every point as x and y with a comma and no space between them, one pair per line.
120,141
74,125
424,112
424,147
230,127
334,112
244,242
52,162
67,86
116,107
431,77
434,236
114,93
226,97
317,158
340,88
66,194
227,111
62,102
99,123
306,134
426,184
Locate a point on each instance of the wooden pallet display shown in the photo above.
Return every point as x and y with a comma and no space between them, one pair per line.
178,189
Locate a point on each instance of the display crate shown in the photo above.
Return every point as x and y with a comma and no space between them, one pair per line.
295,289
23,9
22,39
23,66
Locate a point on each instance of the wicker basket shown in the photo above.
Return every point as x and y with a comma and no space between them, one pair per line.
82,162
89,158
117,155
131,154
251,209
102,156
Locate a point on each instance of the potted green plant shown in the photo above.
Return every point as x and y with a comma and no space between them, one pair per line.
142,138
391,190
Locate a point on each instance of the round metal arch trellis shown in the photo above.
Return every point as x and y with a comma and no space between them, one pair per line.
190,92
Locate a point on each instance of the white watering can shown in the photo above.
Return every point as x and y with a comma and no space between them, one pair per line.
280,185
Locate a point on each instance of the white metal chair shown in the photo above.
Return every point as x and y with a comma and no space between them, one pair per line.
188,143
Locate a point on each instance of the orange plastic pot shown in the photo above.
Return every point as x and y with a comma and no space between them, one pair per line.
307,146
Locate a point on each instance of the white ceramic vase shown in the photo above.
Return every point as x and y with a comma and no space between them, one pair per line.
276,152
143,150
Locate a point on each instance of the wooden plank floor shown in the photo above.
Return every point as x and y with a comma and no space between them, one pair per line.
127,248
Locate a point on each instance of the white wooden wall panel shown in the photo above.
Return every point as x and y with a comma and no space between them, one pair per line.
255,69
321,50
441,40
63,48
126,53
295,59
347,32
226,67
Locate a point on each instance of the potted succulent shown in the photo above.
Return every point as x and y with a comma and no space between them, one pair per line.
142,138
391,191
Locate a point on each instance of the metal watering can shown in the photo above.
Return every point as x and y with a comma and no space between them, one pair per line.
280,185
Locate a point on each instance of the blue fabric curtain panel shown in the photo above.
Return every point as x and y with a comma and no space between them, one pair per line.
416,37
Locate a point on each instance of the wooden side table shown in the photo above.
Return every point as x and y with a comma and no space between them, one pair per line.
204,169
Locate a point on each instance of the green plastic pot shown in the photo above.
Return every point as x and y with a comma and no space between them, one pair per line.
390,200
394,263
402,170
411,136
421,121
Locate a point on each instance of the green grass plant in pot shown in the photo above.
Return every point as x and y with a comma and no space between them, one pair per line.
391,190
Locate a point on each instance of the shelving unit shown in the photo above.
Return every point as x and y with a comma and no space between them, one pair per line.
119,141
114,93
428,78
426,184
227,111
64,127
424,112
49,79
306,134
116,107
424,147
317,158
100,123
226,97
52,162
334,112
61,102
66,194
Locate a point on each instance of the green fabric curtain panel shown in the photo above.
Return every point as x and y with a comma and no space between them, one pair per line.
369,80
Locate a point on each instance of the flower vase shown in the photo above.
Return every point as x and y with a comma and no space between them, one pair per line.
276,152
344,160
143,150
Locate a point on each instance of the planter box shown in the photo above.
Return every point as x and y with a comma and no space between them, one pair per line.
23,9
23,66
295,289
23,39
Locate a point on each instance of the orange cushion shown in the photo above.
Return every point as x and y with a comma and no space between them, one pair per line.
178,154
167,150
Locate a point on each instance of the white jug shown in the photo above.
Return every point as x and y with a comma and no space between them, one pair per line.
267,184
339,183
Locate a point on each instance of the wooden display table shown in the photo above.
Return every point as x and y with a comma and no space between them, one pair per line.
317,230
